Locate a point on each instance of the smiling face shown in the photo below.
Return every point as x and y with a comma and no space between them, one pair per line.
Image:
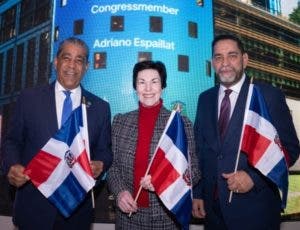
229,62
148,87
71,65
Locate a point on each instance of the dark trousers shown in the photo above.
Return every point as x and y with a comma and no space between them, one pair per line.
82,222
215,220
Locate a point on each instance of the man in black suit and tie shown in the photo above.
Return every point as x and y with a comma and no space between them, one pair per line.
37,117
256,202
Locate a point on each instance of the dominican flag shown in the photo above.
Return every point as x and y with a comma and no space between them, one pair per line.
262,144
61,169
170,170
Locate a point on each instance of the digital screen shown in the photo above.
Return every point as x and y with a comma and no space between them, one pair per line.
121,33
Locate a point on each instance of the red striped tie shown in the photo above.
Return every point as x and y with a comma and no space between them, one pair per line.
224,113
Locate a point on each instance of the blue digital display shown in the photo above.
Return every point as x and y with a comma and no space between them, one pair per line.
120,33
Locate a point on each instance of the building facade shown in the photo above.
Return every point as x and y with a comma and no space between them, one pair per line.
25,35
273,43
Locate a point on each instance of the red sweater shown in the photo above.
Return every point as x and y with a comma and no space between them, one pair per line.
146,122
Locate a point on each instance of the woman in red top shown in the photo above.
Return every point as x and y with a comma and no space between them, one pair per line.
135,136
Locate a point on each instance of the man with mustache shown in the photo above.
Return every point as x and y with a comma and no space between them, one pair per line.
38,116
256,202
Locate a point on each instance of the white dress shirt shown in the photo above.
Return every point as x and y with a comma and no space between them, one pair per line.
60,97
233,96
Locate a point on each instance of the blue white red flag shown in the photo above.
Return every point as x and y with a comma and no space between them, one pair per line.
61,169
170,170
262,144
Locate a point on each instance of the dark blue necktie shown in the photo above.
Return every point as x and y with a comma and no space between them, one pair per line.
67,107
224,113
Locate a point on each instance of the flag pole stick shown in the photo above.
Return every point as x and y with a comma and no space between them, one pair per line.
237,159
151,161
86,140
241,137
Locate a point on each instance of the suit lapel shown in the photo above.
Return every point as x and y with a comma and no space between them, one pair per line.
214,115
86,99
236,121
211,120
49,109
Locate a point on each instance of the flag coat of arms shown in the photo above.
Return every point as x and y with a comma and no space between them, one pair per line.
170,170
61,169
260,141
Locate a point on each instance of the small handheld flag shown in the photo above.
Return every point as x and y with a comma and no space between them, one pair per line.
61,169
170,170
261,143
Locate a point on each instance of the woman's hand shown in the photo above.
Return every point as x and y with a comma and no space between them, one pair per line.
126,202
146,183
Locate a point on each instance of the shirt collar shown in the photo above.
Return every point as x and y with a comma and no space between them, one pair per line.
236,87
60,88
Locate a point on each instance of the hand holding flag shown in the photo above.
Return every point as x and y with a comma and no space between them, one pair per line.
170,170
260,141
61,169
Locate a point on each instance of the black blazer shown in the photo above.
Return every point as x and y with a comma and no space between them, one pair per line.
32,125
216,158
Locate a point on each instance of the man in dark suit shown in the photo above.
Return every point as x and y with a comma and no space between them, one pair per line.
256,202
36,119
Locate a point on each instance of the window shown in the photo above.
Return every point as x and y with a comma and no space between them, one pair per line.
9,70
193,30
208,68
44,47
144,56
156,24
8,27
117,23
1,72
78,27
19,67
200,2
42,11
63,3
100,60
33,13
30,63
260,3
56,33
183,63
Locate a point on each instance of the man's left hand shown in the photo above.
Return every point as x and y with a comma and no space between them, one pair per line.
238,182
97,168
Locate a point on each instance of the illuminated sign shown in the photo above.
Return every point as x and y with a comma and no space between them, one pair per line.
121,33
